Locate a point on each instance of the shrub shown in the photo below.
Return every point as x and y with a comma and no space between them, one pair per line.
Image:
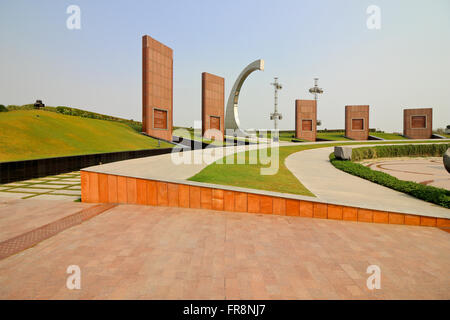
410,150
3,108
427,193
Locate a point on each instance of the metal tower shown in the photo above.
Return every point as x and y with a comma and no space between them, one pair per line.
315,91
275,116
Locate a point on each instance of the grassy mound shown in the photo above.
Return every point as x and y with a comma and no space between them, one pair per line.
33,134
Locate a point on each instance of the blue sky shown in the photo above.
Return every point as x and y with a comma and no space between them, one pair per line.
404,64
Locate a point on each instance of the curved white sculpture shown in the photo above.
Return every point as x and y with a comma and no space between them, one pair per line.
232,116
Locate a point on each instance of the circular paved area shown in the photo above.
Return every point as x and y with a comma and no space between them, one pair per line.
139,252
427,171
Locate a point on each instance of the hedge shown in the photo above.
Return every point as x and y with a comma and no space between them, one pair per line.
427,193
410,150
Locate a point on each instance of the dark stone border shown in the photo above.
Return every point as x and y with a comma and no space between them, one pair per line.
29,169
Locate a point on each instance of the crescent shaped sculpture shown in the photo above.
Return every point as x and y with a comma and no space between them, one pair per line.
232,115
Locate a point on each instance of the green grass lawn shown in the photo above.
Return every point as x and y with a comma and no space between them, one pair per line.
190,134
248,175
444,135
34,134
284,135
334,136
388,136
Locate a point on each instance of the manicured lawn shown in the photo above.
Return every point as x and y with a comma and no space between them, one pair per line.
33,134
190,134
284,135
388,136
444,135
249,175
335,136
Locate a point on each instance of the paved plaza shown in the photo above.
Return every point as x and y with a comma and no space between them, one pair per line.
140,252
145,252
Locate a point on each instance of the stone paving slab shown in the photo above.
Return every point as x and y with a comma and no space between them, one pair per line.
74,188
14,184
40,187
46,186
139,252
50,196
62,183
13,195
66,192
28,190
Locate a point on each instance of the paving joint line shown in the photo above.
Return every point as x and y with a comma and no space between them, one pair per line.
33,237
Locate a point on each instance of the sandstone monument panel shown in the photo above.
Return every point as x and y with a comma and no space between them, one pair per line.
418,123
213,104
306,119
357,122
157,92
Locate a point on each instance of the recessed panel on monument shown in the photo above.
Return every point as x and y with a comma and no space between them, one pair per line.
157,93
213,103
306,119
418,123
357,122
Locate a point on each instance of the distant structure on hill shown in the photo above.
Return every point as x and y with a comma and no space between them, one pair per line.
38,104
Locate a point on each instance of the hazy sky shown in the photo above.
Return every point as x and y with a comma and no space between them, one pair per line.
404,64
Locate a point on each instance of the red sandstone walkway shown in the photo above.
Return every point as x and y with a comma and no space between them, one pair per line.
19,216
139,252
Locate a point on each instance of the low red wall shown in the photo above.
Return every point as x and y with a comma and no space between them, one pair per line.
107,188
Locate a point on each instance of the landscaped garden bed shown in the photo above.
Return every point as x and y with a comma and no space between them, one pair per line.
431,194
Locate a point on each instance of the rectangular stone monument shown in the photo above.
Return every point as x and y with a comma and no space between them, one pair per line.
157,89
306,120
357,122
213,105
418,123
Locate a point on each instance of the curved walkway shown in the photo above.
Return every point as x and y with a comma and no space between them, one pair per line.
165,166
314,170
